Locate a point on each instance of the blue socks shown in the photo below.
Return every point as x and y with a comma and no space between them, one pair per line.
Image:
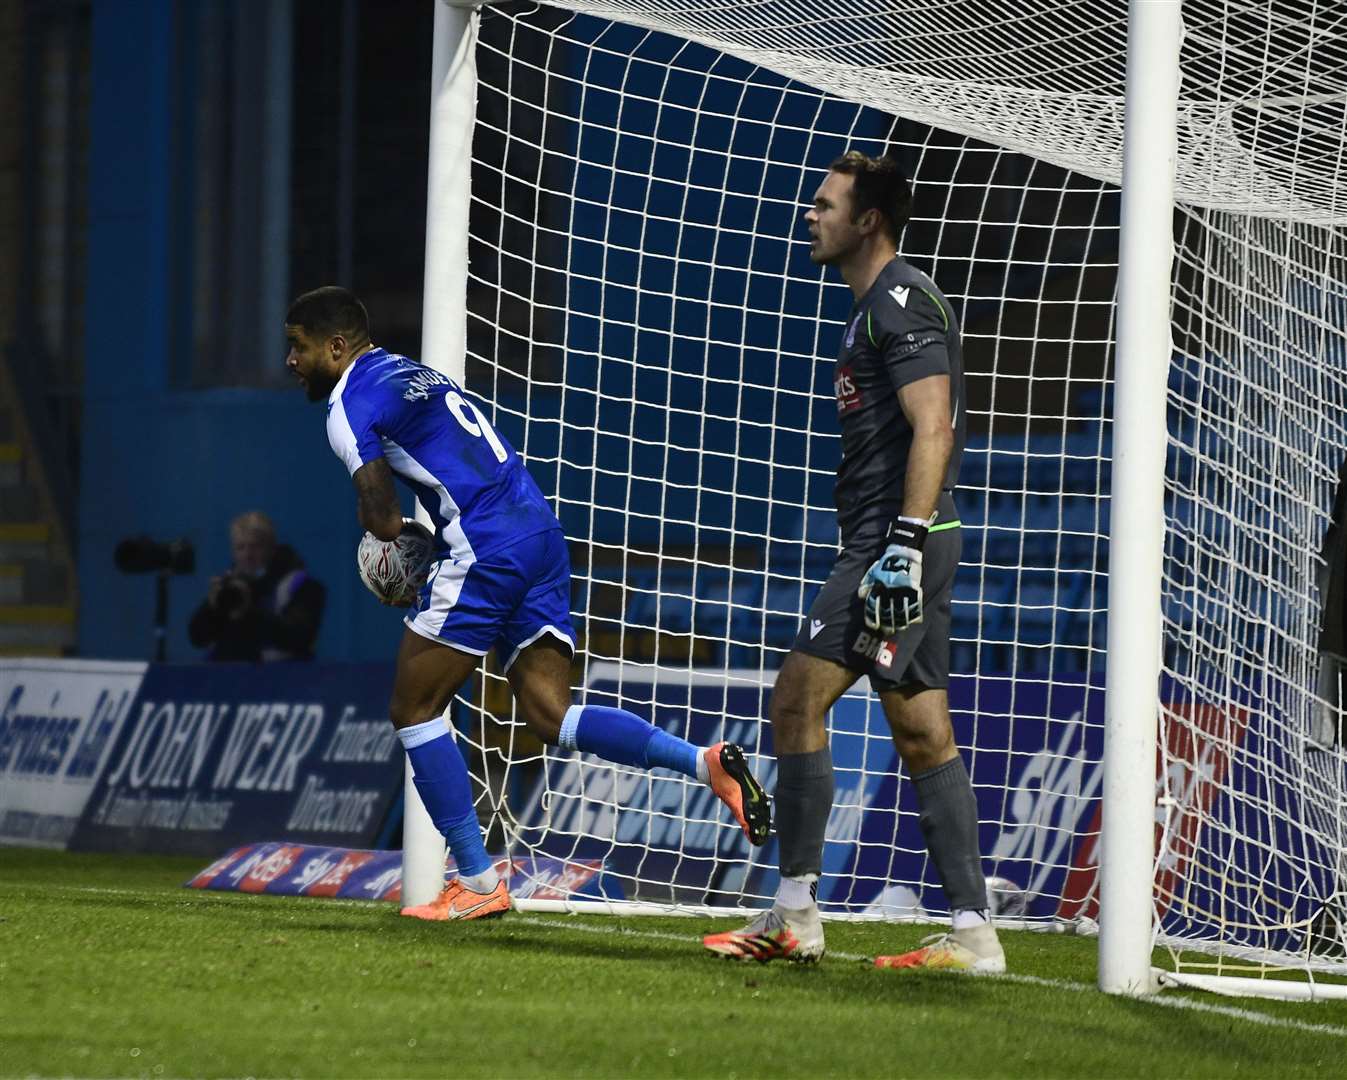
441,775
622,737
441,778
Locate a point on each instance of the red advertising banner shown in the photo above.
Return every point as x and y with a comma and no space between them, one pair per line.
1199,741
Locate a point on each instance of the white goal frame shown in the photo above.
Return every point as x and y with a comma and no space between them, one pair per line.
1137,523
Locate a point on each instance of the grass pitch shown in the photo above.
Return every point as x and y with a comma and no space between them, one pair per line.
108,967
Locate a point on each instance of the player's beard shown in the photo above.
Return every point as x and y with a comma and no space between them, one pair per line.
319,387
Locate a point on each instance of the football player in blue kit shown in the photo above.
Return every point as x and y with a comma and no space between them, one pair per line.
500,578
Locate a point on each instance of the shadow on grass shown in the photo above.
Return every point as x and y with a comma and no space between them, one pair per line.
687,963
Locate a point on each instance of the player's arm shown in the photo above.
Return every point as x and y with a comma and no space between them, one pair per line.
891,588
912,339
377,499
925,403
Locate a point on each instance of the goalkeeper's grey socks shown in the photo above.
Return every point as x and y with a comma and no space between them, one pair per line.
949,821
804,799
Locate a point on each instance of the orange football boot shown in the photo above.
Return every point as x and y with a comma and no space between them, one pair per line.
459,902
976,951
737,787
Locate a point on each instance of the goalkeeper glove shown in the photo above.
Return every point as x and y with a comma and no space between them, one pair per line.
891,587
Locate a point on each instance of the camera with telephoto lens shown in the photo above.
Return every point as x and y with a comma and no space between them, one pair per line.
143,555
162,558
235,594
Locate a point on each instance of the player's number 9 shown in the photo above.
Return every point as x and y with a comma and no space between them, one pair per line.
465,412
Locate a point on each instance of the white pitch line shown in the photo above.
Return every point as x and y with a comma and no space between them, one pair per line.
1233,1013
1246,1015
653,935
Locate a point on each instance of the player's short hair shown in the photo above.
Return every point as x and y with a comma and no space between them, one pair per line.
877,184
330,310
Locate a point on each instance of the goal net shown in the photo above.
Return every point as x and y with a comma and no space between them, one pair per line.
645,323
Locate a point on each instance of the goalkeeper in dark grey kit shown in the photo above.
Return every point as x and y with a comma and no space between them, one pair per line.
885,609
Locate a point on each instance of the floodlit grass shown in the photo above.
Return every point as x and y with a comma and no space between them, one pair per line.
108,967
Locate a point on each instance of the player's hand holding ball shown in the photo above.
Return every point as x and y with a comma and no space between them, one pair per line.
395,570
891,587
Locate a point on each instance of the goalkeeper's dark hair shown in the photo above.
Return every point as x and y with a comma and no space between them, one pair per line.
877,184
328,311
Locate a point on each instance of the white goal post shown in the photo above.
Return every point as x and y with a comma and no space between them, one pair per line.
1136,541
613,262
453,96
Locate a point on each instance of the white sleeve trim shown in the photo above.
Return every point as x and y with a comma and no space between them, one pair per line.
341,437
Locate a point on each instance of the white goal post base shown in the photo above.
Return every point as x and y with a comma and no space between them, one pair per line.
1236,986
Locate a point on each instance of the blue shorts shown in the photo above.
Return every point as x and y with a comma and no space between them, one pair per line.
506,601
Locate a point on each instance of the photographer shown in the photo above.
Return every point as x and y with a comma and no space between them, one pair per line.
266,607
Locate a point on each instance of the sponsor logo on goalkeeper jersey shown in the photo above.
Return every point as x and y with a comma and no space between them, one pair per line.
899,294
844,383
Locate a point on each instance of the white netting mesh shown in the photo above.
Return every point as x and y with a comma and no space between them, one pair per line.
1263,99
1257,434
646,321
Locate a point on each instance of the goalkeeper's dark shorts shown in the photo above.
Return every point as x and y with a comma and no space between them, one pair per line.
835,626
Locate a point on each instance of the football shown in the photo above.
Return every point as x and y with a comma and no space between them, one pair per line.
394,570
1006,899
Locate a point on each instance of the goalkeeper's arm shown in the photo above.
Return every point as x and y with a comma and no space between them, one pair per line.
891,588
925,403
